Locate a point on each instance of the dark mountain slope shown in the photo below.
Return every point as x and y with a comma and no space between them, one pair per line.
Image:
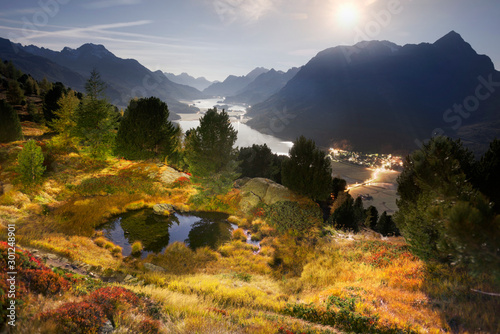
380,96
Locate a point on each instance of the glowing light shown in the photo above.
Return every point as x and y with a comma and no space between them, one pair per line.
347,14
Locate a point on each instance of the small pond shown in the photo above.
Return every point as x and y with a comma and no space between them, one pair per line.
195,229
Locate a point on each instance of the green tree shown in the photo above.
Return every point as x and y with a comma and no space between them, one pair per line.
209,147
386,225
96,119
307,171
145,130
371,217
30,163
45,86
64,122
435,178
344,215
338,186
10,126
15,94
259,161
51,100
488,176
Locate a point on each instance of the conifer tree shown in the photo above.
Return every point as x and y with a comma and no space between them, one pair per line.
15,94
145,130
96,119
64,122
209,147
10,126
307,171
30,163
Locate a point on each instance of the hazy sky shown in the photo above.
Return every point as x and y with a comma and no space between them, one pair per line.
215,38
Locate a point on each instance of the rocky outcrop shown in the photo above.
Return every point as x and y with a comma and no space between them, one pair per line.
262,190
163,209
170,175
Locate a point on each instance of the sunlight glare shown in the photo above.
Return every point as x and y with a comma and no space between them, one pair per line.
347,14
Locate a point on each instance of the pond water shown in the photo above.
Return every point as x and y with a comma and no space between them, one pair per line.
196,229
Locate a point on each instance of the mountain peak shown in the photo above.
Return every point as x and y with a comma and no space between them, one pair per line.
451,37
96,50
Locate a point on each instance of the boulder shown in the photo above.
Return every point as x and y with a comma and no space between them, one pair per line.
152,267
262,190
170,175
163,209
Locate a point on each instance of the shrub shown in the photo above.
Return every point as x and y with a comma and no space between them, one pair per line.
10,127
45,282
137,248
239,234
100,241
149,326
110,299
287,215
83,317
30,161
116,251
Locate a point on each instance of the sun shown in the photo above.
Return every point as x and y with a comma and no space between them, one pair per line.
347,14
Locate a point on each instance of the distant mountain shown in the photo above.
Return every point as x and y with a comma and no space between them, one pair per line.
383,97
125,78
233,84
185,79
263,87
39,66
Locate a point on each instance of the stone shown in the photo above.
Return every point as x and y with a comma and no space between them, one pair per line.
107,328
170,175
262,190
163,209
128,278
152,267
7,187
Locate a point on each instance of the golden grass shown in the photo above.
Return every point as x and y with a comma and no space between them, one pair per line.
79,249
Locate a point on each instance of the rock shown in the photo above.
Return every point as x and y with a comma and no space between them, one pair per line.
128,278
51,256
170,175
163,209
7,187
107,328
152,267
262,190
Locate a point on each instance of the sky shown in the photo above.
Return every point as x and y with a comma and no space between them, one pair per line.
216,38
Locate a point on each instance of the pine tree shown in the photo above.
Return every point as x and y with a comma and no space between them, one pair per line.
209,147
50,101
64,122
30,163
96,119
15,94
10,126
307,171
372,217
145,130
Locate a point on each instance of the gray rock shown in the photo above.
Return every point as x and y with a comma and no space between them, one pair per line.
262,190
163,209
106,328
152,267
128,278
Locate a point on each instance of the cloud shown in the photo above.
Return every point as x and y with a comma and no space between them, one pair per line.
20,11
110,3
246,11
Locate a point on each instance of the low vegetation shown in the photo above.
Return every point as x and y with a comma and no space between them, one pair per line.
307,275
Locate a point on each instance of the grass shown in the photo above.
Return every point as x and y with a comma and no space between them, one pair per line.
297,283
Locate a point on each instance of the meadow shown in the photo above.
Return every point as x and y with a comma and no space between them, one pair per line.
319,281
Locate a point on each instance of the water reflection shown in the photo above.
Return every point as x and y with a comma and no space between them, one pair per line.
157,232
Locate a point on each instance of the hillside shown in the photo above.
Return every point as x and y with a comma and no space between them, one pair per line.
384,98
262,87
126,78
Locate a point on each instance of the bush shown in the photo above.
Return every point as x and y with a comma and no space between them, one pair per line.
110,299
83,317
30,161
287,216
10,127
239,234
149,326
137,248
45,282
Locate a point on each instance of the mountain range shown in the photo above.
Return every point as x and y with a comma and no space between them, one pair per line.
125,78
233,84
199,83
378,96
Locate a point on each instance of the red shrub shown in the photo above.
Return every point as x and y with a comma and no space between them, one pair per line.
45,282
111,298
76,318
149,326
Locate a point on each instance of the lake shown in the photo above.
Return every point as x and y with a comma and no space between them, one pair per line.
155,232
246,135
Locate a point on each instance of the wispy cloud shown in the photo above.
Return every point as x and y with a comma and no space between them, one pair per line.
245,11
20,11
110,3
